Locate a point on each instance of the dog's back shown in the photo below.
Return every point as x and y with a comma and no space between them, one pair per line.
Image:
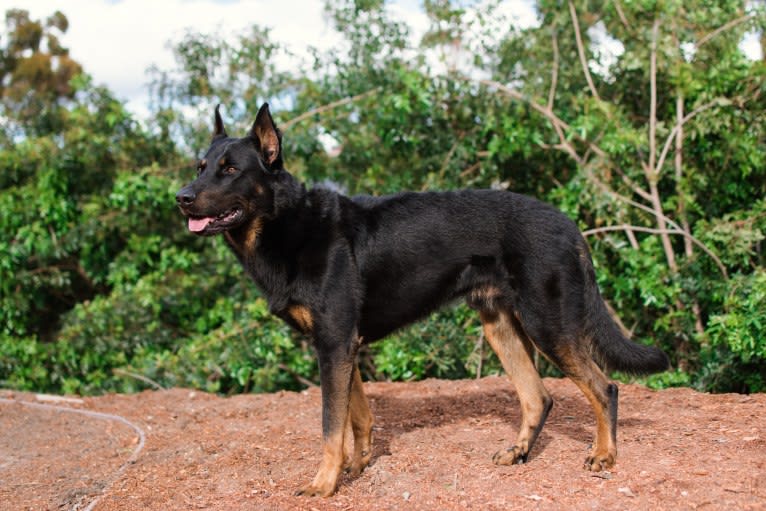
416,251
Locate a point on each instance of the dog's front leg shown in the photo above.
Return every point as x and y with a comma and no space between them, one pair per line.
336,365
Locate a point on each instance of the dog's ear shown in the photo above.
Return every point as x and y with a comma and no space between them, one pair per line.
218,129
267,138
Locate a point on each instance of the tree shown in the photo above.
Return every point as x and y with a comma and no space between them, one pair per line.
648,136
656,150
36,71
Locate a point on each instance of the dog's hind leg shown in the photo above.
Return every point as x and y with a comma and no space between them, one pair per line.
578,365
515,350
360,420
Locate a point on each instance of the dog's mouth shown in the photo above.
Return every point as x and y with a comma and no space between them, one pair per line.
214,224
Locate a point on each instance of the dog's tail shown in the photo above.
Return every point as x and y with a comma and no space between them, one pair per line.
612,348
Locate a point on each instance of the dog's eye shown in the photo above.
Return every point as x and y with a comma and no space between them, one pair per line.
229,170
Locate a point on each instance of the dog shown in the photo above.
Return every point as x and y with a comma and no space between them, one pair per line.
350,270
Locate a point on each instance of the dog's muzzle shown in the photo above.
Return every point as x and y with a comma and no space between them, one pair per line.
185,196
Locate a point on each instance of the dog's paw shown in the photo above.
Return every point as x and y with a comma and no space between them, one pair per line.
312,490
355,465
599,461
359,463
511,456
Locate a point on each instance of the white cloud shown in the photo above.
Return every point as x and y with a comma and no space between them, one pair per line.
117,41
751,45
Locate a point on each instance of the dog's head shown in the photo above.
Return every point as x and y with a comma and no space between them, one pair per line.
233,184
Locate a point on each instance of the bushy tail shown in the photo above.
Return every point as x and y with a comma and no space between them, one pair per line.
614,351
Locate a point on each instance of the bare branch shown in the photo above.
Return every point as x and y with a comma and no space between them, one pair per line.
567,148
723,28
653,100
560,126
471,169
679,125
549,114
678,163
668,221
480,348
651,230
621,14
140,377
651,171
324,108
303,381
554,69
632,184
581,51
450,153
681,207
632,239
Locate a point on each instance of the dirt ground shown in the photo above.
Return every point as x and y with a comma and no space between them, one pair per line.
182,450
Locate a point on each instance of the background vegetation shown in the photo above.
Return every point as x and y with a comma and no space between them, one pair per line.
657,151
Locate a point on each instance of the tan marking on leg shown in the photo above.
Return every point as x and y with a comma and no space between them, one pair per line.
336,374
592,382
604,452
326,478
348,437
361,421
515,353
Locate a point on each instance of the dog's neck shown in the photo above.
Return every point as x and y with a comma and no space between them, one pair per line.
289,196
243,240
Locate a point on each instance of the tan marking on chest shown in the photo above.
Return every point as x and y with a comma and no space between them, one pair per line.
245,243
251,238
302,316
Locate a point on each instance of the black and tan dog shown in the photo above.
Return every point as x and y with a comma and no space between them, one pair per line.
347,270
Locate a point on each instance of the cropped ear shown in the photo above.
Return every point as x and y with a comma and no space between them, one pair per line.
268,138
218,129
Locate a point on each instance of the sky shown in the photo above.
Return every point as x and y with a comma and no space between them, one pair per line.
116,41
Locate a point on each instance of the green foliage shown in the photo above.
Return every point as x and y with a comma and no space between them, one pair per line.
27,65
737,333
741,326
102,289
445,346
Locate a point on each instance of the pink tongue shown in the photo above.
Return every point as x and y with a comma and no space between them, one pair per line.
198,224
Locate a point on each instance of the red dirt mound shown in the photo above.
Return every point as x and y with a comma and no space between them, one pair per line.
677,449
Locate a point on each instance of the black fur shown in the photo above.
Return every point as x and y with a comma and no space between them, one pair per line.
362,267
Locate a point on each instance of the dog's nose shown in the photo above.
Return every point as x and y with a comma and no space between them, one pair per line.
185,197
